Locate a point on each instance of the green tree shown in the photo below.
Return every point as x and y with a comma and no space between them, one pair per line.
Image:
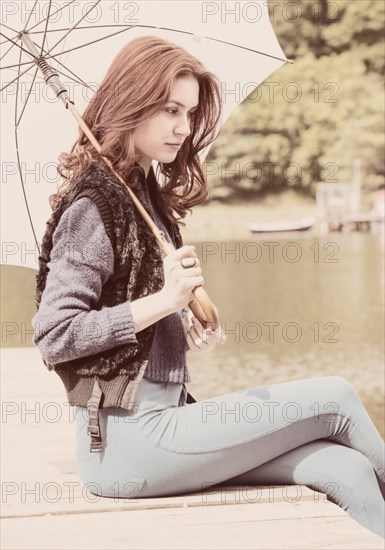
309,120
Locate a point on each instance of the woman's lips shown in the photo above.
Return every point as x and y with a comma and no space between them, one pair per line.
174,146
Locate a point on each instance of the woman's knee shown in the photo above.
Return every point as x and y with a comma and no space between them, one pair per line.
341,391
349,475
341,383
358,471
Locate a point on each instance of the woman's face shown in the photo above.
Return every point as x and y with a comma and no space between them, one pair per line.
172,125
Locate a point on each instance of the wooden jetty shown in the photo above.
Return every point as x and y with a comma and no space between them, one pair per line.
340,205
45,505
362,221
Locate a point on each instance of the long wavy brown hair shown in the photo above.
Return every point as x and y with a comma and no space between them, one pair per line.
136,87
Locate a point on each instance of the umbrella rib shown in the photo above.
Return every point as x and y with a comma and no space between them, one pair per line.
74,76
19,75
56,60
74,26
45,31
89,43
9,49
77,78
19,164
52,14
216,40
10,28
16,65
32,65
244,48
46,26
28,96
166,29
30,14
129,28
20,47
81,28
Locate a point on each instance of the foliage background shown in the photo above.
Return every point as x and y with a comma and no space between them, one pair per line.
310,119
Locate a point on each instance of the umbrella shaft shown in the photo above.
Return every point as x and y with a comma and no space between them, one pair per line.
51,77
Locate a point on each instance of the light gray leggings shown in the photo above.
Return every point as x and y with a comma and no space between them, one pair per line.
313,431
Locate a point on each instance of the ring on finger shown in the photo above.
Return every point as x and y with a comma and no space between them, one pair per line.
193,264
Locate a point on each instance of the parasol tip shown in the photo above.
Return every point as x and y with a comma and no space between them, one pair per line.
289,61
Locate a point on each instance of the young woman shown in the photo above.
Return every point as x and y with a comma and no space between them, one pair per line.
113,321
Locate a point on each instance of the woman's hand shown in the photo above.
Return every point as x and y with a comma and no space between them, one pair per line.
182,273
197,337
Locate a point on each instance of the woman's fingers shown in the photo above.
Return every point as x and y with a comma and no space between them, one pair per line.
198,333
187,265
207,337
181,281
199,338
192,276
193,345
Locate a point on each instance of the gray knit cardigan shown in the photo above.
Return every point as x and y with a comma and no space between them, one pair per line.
110,378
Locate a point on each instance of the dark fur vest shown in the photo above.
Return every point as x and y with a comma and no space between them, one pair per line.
138,269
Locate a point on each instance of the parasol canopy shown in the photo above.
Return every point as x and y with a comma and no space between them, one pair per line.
79,40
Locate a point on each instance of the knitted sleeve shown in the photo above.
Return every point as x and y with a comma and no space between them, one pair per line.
82,259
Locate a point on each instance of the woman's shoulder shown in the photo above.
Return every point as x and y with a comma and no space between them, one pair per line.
83,210
103,192
81,233
81,214
81,222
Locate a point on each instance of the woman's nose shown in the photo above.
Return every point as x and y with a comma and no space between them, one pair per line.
183,127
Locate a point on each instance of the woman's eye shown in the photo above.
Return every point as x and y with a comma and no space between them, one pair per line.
174,111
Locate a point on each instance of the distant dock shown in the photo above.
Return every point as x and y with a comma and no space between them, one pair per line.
340,208
364,221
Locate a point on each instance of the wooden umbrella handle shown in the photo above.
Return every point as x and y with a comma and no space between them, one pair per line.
204,309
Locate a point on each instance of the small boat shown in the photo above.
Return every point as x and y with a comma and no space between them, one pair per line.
302,224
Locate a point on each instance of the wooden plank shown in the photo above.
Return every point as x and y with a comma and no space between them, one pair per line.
218,527
69,496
